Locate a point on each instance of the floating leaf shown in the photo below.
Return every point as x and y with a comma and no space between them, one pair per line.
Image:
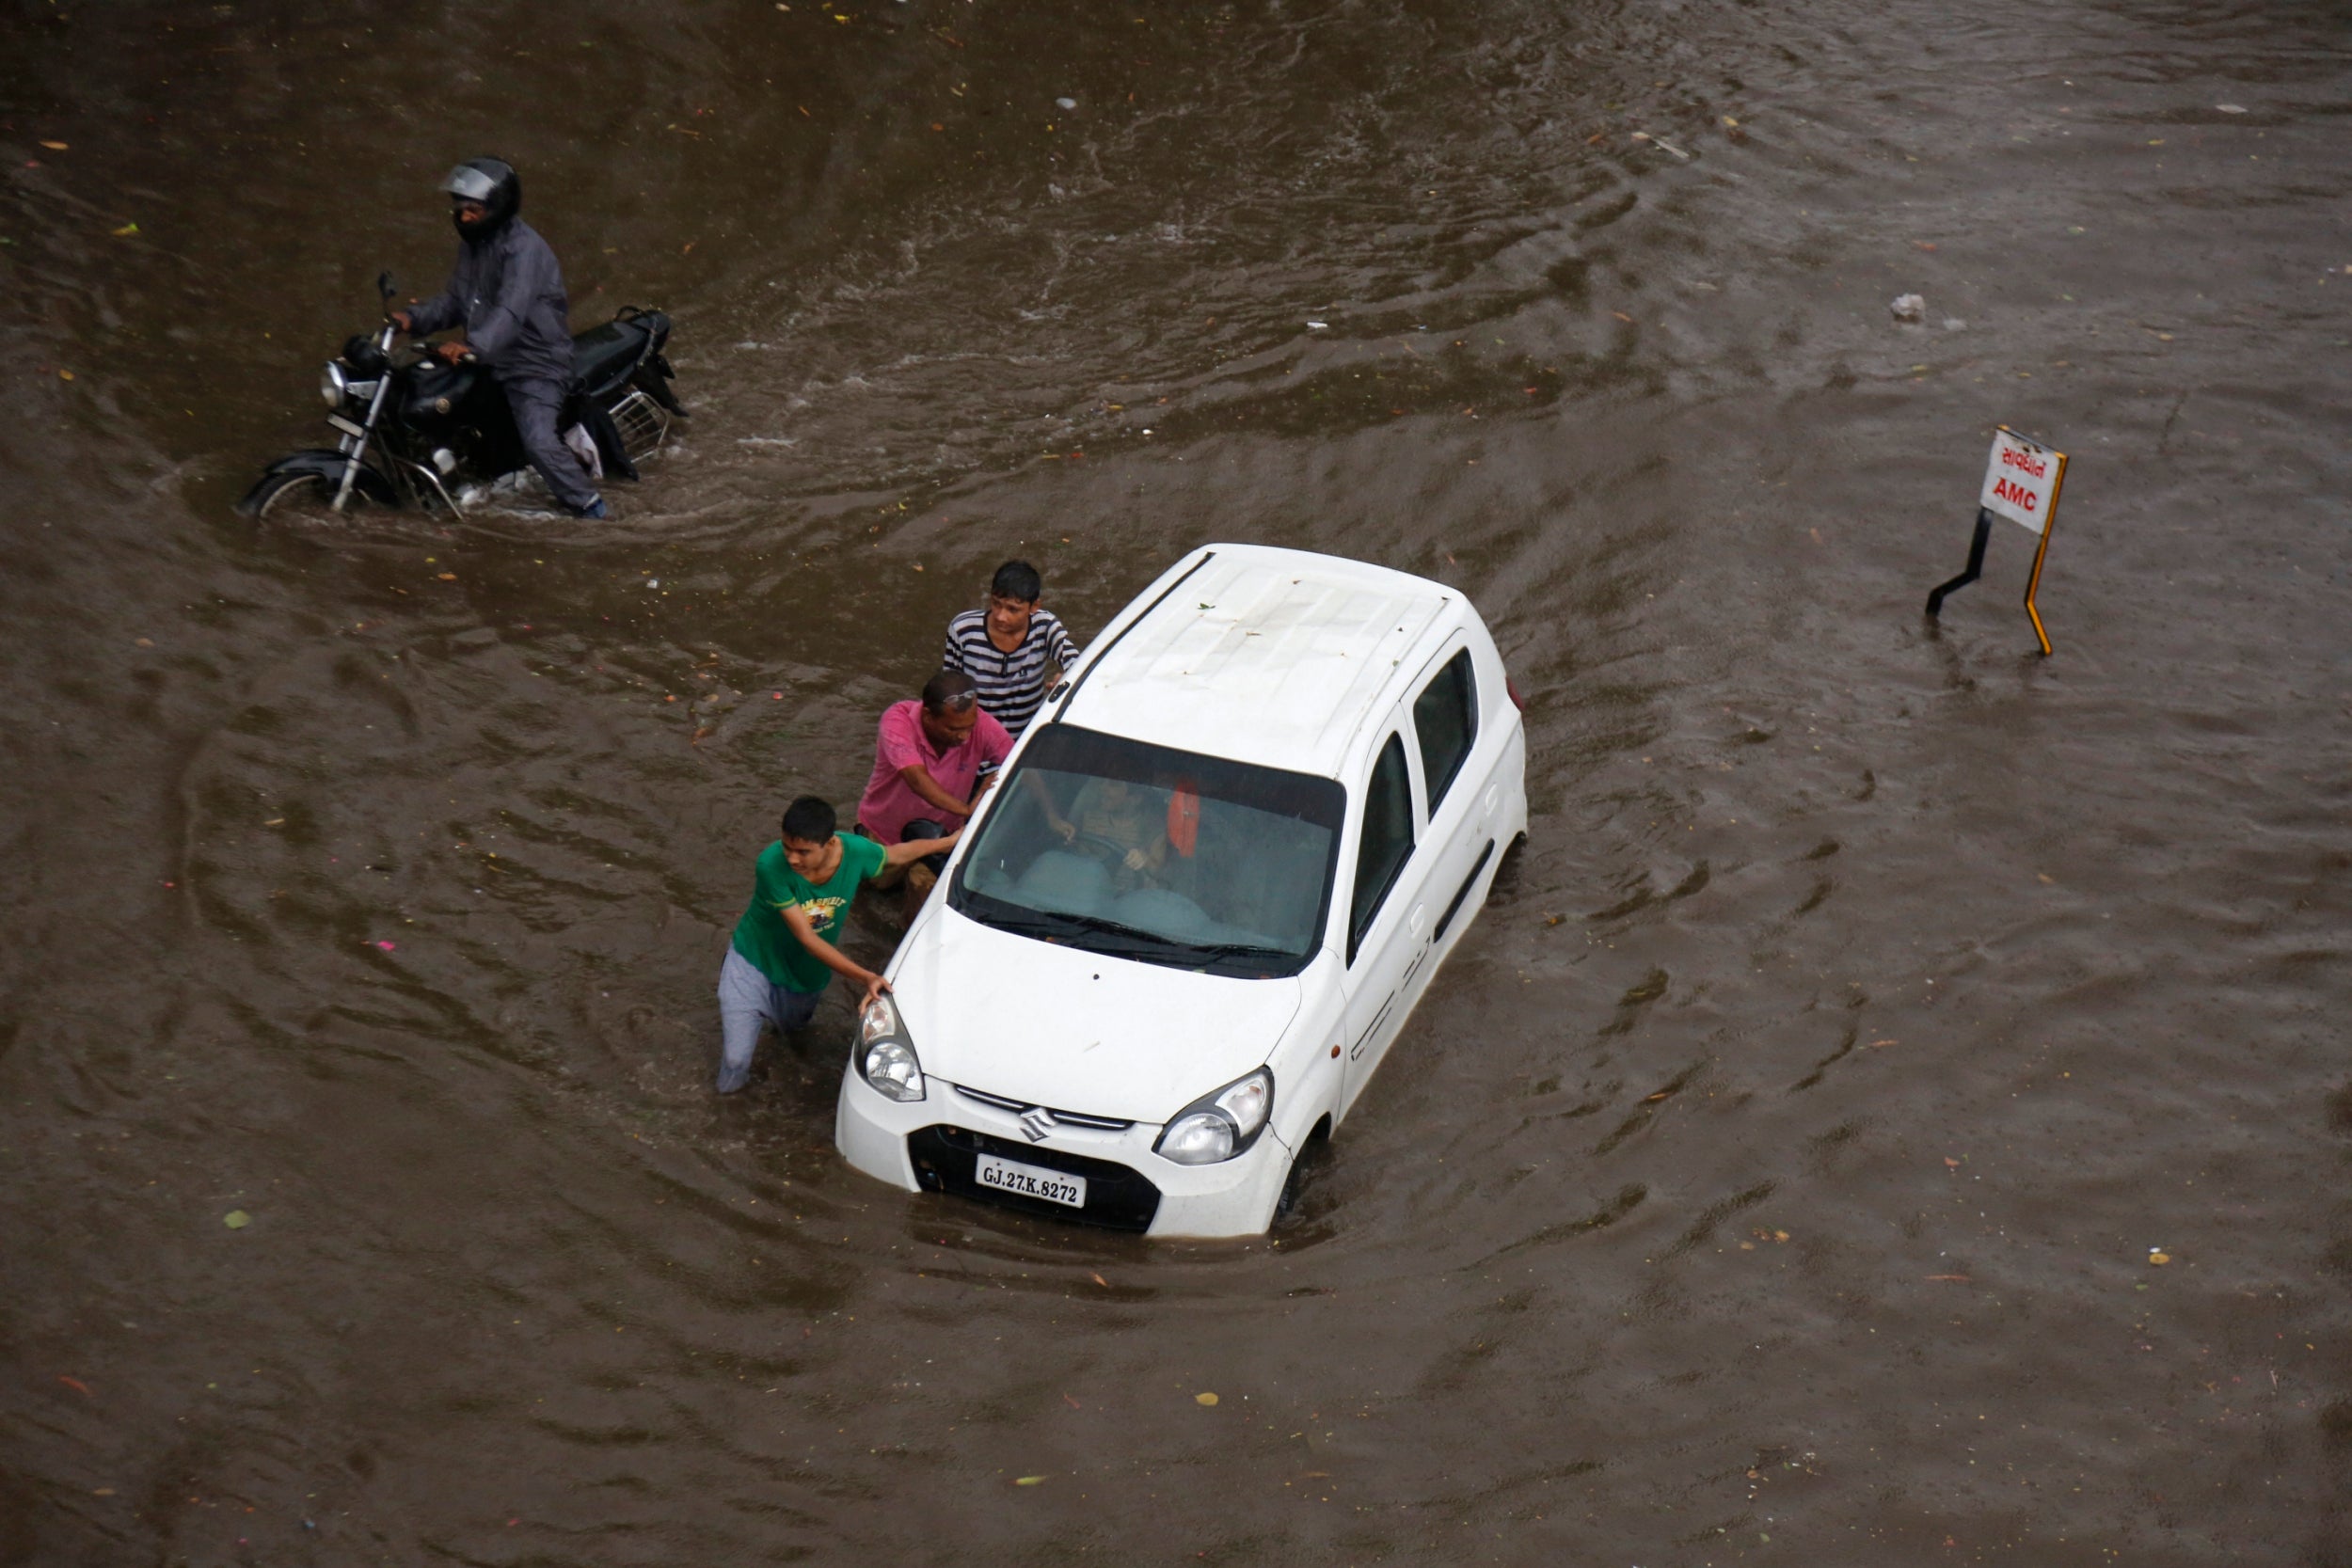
236,1219
1029,1481
2159,1258
1204,1399
55,146
127,229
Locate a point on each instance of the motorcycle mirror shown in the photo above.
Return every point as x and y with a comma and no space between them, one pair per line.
384,285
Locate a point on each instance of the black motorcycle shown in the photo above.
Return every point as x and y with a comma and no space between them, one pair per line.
412,430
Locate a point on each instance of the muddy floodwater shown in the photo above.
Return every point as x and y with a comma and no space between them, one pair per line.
1895,1108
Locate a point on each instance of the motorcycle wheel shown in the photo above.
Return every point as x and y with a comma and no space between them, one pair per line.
290,496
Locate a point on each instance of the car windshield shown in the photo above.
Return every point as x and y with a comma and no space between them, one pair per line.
1140,851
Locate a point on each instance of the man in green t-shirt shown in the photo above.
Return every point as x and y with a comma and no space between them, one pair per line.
782,955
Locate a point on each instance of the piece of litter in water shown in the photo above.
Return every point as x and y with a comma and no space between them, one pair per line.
1907,308
1204,1399
387,947
236,1219
1029,1481
2225,108
1065,103
1317,326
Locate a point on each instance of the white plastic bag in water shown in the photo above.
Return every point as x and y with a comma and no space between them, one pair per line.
585,448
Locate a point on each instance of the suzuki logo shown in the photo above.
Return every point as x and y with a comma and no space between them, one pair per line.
1036,1123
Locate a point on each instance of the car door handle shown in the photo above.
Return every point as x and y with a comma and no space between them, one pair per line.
1463,892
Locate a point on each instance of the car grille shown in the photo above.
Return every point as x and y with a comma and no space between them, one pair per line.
1068,1119
1118,1197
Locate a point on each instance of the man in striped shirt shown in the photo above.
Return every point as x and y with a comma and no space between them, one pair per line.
1007,647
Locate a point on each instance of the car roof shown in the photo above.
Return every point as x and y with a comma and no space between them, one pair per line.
1266,656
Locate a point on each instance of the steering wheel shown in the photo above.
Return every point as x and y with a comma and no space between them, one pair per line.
1112,853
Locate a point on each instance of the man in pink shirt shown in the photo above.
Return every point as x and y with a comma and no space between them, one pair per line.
933,759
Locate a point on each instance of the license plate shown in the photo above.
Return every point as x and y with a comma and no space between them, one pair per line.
1031,1182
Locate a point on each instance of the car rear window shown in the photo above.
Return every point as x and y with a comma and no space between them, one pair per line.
1445,720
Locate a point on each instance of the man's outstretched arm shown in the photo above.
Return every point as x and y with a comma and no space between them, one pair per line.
919,780
831,957
896,855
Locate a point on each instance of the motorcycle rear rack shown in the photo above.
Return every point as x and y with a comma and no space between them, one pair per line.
642,423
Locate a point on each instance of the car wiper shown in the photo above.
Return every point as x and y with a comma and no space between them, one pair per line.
1110,928
1241,950
1024,920
1148,945
1206,954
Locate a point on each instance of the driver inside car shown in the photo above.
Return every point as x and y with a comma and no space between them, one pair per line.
507,293
1120,816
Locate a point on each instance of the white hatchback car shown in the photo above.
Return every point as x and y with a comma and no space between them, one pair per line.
1220,869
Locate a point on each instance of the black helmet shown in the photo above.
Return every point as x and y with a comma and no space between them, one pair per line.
491,181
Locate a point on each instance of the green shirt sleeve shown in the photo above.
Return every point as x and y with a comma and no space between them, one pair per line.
774,884
862,857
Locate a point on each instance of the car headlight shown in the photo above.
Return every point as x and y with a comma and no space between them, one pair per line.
1221,1125
333,385
885,1055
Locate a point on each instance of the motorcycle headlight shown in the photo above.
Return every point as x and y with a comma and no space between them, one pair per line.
885,1055
333,385
1221,1125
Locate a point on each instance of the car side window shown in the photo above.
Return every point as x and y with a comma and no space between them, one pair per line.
1445,719
1387,842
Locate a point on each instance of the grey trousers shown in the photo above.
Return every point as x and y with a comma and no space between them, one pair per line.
748,1001
537,404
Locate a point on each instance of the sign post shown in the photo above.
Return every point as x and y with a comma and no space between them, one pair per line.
2022,480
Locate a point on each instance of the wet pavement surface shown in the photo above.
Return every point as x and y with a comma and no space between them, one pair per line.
1895,1108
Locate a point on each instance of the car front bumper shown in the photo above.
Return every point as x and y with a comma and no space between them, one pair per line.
932,1144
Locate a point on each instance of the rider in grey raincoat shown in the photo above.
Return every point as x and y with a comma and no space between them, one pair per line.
507,291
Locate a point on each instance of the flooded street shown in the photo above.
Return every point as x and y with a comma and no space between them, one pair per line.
1894,1109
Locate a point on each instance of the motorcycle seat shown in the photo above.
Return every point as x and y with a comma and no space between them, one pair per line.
602,356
